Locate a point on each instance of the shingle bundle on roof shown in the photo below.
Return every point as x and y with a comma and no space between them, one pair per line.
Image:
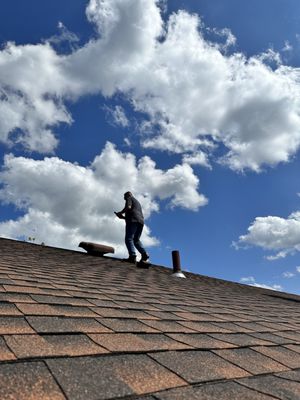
73,326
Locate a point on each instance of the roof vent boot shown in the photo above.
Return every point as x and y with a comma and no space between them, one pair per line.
177,273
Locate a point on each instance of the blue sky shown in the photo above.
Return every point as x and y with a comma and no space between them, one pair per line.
194,106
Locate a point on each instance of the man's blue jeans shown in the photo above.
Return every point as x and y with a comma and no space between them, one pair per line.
133,233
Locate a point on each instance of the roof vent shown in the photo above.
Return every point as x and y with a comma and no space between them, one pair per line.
95,249
177,273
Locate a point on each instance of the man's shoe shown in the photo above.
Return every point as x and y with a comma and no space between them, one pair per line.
145,257
130,259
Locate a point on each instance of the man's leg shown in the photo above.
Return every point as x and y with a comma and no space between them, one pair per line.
129,239
137,242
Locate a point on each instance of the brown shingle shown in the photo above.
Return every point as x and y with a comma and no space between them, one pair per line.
197,316
230,317
63,324
57,310
38,283
28,380
5,353
240,339
281,354
25,346
11,325
200,341
5,281
203,327
295,336
136,305
293,347
104,303
165,315
198,307
60,300
224,391
66,287
275,325
100,378
291,375
86,294
126,325
124,342
32,289
37,309
168,307
232,327
254,326
251,361
271,338
16,298
198,366
168,326
122,313
8,309
274,386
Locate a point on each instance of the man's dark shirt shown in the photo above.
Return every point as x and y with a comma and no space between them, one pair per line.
135,214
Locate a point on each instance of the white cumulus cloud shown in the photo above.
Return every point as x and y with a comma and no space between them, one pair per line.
193,93
200,158
31,101
64,36
64,203
250,280
117,116
281,235
288,274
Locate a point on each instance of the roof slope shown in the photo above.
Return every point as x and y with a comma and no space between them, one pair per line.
73,326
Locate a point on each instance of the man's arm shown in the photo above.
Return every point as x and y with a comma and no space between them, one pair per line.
128,206
119,214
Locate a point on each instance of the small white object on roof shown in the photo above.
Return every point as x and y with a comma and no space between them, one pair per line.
179,275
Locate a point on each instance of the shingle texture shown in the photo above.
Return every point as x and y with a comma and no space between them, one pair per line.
74,326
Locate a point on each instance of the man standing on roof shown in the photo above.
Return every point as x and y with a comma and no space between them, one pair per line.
133,215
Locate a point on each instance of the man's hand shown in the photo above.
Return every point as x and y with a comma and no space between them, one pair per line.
119,215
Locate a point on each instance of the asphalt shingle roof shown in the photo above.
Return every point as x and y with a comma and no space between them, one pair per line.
74,326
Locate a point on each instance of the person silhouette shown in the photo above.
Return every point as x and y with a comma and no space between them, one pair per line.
134,218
